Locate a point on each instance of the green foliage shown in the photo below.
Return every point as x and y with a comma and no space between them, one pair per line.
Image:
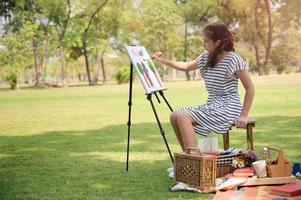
16,54
159,20
254,33
249,57
286,52
155,24
196,12
287,70
123,75
105,26
279,59
290,11
12,79
249,21
158,28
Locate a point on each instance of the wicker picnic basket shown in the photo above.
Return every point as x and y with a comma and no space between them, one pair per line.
224,164
195,169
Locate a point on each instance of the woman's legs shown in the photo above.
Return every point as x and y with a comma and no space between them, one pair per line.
182,124
185,124
174,123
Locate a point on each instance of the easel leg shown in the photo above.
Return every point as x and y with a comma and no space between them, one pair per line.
129,117
149,97
162,95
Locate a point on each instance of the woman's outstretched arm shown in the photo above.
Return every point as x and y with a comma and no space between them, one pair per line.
182,66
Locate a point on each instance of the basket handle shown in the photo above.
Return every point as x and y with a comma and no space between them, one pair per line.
280,156
274,148
196,150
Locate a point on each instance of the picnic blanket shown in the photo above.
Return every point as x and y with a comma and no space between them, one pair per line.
250,193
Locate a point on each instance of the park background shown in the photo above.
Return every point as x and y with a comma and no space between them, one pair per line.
63,107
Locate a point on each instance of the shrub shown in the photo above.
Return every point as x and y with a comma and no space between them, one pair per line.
281,68
123,75
12,79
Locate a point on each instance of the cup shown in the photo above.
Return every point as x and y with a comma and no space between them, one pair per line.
260,168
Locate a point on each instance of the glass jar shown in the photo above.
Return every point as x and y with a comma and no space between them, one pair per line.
265,155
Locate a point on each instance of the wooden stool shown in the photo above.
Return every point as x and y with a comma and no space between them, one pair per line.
249,130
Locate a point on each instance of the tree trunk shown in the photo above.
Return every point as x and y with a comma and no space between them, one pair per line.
86,57
61,37
185,50
164,77
96,70
269,44
63,72
85,39
104,76
14,86
14,83
196,75
38,74
79,77
174,71
260,68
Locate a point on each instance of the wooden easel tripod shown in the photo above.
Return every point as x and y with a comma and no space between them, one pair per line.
149,98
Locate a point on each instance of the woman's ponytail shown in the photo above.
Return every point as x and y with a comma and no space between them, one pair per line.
218,31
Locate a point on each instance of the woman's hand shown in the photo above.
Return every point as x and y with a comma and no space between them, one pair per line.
158,56
241,122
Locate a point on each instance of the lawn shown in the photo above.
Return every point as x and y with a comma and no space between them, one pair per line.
70,143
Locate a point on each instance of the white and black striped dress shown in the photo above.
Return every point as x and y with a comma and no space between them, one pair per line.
223,106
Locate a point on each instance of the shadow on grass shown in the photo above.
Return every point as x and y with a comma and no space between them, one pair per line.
87,164
90,164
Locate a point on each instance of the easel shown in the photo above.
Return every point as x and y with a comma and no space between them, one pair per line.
149,98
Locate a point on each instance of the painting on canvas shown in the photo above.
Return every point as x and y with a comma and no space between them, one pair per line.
145,68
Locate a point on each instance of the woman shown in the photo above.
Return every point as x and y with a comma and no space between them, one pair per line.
220,68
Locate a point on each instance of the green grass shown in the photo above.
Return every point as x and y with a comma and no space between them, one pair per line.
70,143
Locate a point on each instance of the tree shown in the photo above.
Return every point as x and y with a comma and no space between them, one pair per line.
286,52
194,13
6,7
290,11
106,26
253,23
31,11
58,12
85,38
158,21
16,53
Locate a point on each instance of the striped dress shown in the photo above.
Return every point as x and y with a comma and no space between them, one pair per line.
223,105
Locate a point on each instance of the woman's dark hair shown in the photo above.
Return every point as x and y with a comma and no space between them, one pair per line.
218,31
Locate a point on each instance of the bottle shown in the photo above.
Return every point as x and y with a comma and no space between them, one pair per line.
265,155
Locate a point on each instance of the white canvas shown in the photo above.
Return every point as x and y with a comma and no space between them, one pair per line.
145,68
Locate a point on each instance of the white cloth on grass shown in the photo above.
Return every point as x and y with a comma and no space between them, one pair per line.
182,186
169,170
